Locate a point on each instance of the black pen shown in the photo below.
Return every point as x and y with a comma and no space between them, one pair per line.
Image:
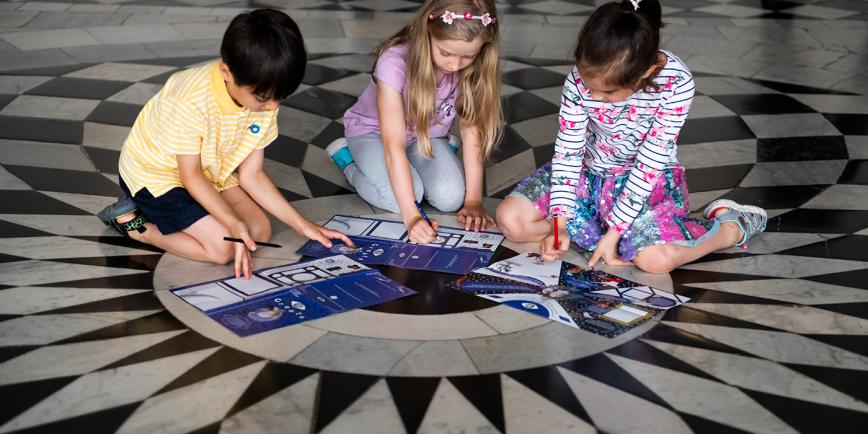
258,243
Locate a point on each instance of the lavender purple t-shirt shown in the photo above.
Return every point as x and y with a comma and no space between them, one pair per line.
362,117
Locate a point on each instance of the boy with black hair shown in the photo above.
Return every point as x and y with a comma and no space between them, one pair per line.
192,165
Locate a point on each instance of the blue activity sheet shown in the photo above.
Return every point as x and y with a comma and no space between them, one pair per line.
290,294
383,242
591,300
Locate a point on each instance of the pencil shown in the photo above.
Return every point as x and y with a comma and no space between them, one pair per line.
422,211
555,228
258,243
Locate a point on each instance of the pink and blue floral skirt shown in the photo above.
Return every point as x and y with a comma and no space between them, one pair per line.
663,220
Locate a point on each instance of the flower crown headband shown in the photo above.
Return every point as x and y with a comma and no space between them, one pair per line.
448,17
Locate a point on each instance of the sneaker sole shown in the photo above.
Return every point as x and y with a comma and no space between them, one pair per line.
726,203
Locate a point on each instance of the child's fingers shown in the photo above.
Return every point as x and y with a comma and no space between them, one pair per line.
595,257
618,261
341,236
323,240
434,227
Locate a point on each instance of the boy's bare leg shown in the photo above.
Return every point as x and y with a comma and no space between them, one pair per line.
250,213
186,243
520,221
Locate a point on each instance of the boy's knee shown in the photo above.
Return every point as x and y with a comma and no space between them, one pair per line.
260,230
222,256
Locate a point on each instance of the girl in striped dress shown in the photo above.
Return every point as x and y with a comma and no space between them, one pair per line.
614,180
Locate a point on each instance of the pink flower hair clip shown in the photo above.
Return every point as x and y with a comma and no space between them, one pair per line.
449,17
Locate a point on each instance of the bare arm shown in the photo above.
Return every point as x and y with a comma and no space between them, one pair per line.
472,214
390,108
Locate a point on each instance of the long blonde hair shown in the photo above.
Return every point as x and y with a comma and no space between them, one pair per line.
479,102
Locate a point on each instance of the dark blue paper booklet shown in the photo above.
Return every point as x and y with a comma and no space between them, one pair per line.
290,294
383,242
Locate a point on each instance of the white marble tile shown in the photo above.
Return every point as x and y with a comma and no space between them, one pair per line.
816,77
361,62
435,358
104,136
354,354
9,181
729,86
705,107
777,173
78,358
725,154
599,399
778,346
849,63
841,196
169,19
696,45
790,291
43,39
796,319
367,29
63,247
761,375
287,177
93,8
45,329
202,30
322,208
551,94
121,71
188,10
373,412
44,6
705,398
857,147
17,84
508,172
450,412
23,273
135,33
107,389
25,300
771,242
75,109
855,84
299,124
61,20
731,10
796,55
505,319
815,11
341,45
778,266
407,327
790,125
352,85
47,155
185,48
92,204
698,200
316,161
290,410
17,60
16,19
735,65
66,225
526,411
780,37
194,406
138,93
538,131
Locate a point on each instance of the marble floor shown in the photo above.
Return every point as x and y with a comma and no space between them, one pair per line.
773,340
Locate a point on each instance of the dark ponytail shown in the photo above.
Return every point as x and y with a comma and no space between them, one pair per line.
621,42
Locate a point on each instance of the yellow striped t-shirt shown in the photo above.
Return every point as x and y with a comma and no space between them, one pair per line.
192,114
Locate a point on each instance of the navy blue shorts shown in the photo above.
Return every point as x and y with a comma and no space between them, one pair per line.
172,212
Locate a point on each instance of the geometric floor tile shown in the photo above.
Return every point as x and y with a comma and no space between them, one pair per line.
528,412
290,410
450,410
375,410
45,329
778,266
25,300
796,319
795,291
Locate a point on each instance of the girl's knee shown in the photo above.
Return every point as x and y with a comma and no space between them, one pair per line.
654,260
513,219
446,195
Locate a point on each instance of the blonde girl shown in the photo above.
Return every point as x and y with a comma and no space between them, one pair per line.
441,67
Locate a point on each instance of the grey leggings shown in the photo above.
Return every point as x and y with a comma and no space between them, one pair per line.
440,179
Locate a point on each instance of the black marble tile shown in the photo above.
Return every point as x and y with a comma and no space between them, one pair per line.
548,383
484,392
12,230
787,196
771,5
672,335
543,154
273,378
317,74
330,133
801,148
22,396
643,352
224,360
105,160
847,5
790,87
511,145
286,150
412,397
707,426
853,279
212,428
337,391
525,105
41,130
533,78
186,342
535,61
123,242
603,369
321,101
115,113
159,78
50,70
319,187
179,62
688,4
79,88
850,123
858,310
854,344
34,202
434,298
687,314
849,381
290,196
67,181
822,221
134,302
8,353
809,416
718,129
851,247
716,178
856,172
752,104
156,323
100,422
6,99
4,258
